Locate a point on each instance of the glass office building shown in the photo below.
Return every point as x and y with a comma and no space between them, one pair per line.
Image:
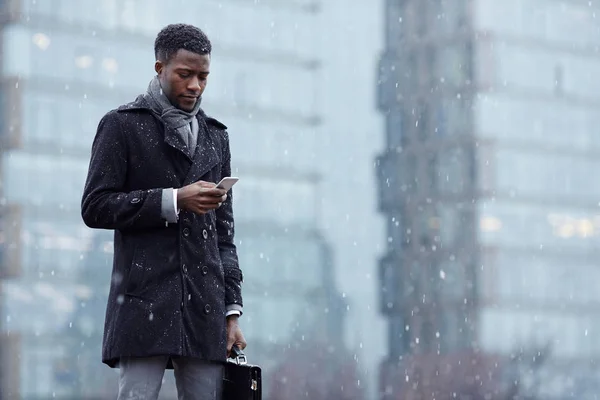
64,64
488,185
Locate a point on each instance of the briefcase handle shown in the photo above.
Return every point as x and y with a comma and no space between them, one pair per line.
239,356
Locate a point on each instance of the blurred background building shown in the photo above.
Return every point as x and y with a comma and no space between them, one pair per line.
486,185
483,115
67,62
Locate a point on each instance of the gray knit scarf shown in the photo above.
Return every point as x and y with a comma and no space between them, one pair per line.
174,117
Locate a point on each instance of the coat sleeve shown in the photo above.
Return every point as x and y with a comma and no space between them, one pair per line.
105,203
225,232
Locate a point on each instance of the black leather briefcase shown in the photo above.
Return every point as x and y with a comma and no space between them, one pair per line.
241,381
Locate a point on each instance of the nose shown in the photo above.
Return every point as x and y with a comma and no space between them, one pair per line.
195,85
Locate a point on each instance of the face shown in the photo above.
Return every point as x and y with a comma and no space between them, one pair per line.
183,78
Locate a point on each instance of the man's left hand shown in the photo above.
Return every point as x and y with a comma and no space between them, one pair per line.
234,334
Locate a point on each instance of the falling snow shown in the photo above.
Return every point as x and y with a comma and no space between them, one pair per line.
416,217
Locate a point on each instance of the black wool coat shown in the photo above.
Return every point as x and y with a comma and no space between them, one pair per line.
171,283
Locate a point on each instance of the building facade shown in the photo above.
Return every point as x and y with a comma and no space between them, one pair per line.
492,222
64,64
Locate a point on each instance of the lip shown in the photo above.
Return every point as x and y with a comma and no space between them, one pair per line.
190,97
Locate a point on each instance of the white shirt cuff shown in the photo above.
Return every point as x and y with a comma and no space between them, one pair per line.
168,207
234,309
175,202
233,312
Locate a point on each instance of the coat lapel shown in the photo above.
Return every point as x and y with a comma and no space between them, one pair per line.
207,153
208,149
174,139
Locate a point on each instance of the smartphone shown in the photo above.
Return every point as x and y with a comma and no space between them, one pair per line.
227,182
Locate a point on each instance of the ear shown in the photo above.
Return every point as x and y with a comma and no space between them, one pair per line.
159,66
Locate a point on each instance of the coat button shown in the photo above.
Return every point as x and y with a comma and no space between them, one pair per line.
184,268
186,232
205,270
207,308
135,200
204,234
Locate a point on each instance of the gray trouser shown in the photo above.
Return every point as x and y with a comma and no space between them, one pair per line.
141,378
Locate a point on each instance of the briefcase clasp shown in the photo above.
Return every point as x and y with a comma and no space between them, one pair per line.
240,357
241,360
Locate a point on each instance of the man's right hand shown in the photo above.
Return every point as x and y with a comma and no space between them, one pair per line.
200,197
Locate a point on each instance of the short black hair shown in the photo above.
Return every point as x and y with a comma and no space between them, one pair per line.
180,36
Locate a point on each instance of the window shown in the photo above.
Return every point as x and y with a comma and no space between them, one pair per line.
453,278
274,29
450,16
17,49
452,116
287,84
539,226
533,69
546,175
11,230
427,338
453,171
393,19
272,264
544,279
106,14
41,117
396,135
558,80
53,245
281,143
422,118
60,121
453,64
507,330
399,338
390,271
452,220
240,93
541,19
34,179
453,333
48,7
264,198
79,58
527,121
579,19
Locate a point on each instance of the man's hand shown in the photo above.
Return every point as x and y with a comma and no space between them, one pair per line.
200,197
234,334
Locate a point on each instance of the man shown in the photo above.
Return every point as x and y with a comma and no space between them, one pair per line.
175,295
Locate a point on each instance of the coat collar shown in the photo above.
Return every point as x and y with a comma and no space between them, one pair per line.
206,155
141,104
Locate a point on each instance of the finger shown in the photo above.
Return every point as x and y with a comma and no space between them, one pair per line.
213,191
202,210
210,207
204,184
209,201
212,201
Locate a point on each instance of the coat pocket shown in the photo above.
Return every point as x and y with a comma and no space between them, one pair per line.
136,279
